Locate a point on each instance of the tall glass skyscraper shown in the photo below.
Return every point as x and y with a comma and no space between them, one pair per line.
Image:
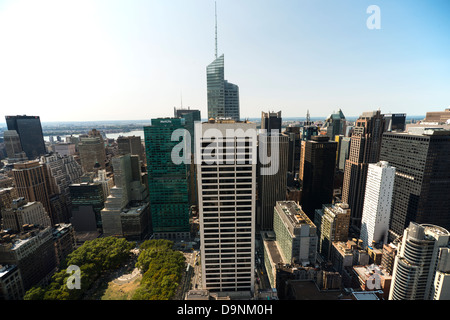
167,180
223,96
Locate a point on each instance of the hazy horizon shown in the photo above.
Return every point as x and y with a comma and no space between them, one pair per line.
110,60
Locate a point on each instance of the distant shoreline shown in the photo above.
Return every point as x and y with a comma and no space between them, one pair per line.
148,121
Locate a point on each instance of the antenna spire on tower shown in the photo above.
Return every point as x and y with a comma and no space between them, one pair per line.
215,10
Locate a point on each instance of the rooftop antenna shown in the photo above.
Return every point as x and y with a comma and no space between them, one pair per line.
215,9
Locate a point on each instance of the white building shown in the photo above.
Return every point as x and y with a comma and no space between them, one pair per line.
226,193
422,265
377,203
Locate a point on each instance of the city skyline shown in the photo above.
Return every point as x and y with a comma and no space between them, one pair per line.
92,60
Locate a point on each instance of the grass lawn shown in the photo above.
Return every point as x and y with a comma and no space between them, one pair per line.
123,291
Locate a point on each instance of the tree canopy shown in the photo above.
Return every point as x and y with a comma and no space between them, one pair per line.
162,269
94,258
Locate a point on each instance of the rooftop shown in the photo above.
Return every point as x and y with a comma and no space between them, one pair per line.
294,213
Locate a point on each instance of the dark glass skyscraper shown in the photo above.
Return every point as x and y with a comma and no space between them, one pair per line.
30,133
167,180
317,166
271,121
422,180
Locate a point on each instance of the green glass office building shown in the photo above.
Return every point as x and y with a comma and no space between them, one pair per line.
167,180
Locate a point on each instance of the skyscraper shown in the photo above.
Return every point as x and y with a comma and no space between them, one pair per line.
13,146
422,178
271,121
131,145
295,233
294,148
168,181
92,152
377,203
332,223
190,116
87,202
344,147
30,133
61,171
334,125
317,167
32,184
226,168
365,146
272,185
223,96
395,122
422,265
127,202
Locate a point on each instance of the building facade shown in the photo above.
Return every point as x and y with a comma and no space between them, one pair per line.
377,203
30,133
126,208
422,265
271,184
271,121
332,222
132,145
295,233
422,177
11,285
223,96
227,204
92,152
13,146
31,182
335,124
168,181
33,252
365,147
317,168
23,213
86,195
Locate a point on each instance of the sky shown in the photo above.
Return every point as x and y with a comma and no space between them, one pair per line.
89,60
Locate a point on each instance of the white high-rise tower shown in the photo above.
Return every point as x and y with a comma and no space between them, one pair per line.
226,171
377,203
422,265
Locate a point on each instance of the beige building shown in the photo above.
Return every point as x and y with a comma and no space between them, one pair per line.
31,183
333,222
7,195
438,116
23,213
92,152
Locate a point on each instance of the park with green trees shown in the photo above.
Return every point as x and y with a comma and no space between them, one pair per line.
160,265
